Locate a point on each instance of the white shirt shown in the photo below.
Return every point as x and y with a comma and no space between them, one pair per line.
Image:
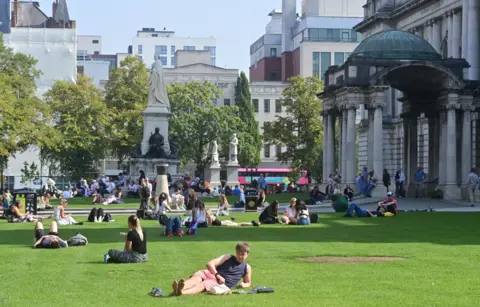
149,185
290,212
163,208
303,214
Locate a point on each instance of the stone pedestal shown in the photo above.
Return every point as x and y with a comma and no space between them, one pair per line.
155,116
149,166
215,176
452,192
162,179
232,175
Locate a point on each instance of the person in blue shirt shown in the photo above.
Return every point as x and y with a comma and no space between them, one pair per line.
419,179
241,203
236,191
262,183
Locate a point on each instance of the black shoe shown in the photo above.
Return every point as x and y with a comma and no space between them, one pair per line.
80,223
255,224
233,219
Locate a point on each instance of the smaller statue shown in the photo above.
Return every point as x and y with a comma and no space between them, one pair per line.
173,147
234,149
215,160
156,143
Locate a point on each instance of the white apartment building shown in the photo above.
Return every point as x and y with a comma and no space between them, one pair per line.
149,42
89,44
336,8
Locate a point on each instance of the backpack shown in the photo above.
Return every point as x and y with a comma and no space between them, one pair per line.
107,218
77,240
314,218
163,219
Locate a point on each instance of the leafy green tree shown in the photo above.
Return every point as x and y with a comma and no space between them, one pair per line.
249,138
196,122
126,97
29,172
301,130
83,121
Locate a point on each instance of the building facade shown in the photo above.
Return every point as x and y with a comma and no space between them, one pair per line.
149,42
89,44
415,80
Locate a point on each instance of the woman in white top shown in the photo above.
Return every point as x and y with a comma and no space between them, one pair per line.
303,217
222,209
162,205
61,217
289,216
44,202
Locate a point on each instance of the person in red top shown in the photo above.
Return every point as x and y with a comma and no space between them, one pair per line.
388,205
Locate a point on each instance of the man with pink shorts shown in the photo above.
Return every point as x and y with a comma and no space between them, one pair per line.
226,269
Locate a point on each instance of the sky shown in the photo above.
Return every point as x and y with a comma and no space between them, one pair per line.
235,24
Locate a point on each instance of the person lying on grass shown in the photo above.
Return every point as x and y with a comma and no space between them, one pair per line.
225,270
51,240
359,212
213,221
135,245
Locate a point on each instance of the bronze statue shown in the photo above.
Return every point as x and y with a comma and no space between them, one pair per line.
156,143
173,147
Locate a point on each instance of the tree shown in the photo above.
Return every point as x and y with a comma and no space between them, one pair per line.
196,122
126,96
29,173
83,121
249,139
301,130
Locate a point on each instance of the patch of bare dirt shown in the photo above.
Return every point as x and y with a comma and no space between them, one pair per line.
348,260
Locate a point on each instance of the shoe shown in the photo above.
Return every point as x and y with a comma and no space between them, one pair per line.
255,224
80,223
170,234
180,233
105,258
233,219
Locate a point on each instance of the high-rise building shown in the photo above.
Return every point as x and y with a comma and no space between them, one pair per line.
305,44
149,42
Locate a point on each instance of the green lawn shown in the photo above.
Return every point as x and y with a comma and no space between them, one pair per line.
79,202
441,268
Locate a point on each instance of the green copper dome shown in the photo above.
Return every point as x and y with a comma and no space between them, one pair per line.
396,45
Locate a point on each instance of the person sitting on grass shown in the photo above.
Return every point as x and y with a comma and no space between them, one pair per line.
222,209
62,218
44,202
135,250
178,200
270,214
13,214
199,214
302,216
388,205
359,212
225,270
213,221
51,240
289,216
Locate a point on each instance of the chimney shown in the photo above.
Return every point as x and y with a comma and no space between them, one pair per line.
54,9
14,13
289,18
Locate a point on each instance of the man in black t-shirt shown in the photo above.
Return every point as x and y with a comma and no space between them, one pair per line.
51,240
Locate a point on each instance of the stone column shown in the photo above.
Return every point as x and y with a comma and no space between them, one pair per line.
351,155
449,18
324,155
456,28
340,126
436,148
466,143
344,144
411,150
451,160
465,4
442,169
370,139
473,39
436,40
431,148
331,144
427,32
380,190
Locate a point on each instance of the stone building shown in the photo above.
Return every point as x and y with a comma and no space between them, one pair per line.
415,80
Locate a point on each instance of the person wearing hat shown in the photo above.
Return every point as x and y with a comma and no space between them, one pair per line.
388,205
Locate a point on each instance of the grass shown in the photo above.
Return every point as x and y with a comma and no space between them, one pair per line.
441,268
79,202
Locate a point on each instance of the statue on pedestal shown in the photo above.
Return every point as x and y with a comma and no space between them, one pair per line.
156,143
158,89
215,159
233,149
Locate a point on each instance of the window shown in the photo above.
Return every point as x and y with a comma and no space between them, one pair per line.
326,58
212,61
266,105
161,49
96,52
172,61
80,69
278,106
95,41
154,35
189,48
255,104
273,52
164,60
346,36
172,49
212,49
339,58
332,35
266,151
226,102
316,64
140,49
273,75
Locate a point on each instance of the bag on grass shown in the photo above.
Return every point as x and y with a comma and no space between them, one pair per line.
314,218
107,218
163,219
220,290
77,240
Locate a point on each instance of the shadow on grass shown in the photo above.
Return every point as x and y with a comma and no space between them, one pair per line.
438,228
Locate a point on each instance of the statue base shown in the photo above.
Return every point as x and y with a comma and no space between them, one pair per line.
215,176
162,179
150,167
232,175
155,116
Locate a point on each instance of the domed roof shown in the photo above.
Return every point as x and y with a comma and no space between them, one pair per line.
396,45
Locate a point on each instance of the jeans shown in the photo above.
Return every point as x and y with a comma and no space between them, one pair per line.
174,224
303,221
358,211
